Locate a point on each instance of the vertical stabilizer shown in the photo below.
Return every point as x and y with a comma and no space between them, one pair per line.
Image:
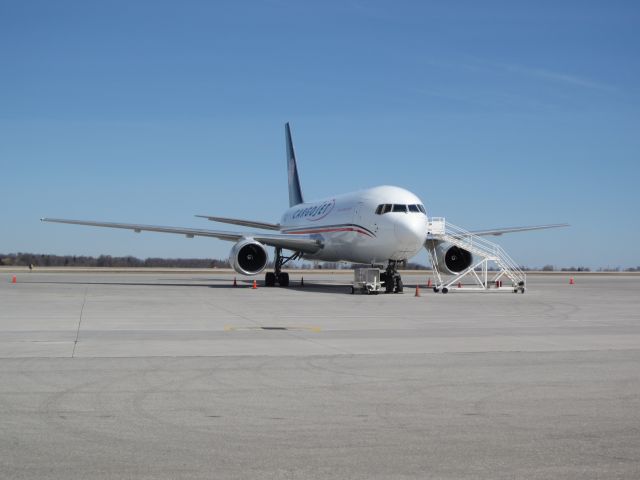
295,193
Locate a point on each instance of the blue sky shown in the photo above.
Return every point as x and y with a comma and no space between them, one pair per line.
494,113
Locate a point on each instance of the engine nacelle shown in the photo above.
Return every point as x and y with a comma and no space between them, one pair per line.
248,257
453,259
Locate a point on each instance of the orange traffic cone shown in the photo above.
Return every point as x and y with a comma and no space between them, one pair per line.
571,282
235,283
255,285
417,291
459,284
429,283
14,279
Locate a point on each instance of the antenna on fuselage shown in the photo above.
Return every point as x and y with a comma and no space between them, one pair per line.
295,192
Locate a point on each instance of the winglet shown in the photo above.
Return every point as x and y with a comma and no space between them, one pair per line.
295,192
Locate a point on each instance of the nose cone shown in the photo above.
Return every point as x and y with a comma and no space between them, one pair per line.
411,231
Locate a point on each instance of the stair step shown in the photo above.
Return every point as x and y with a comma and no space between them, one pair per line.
478,246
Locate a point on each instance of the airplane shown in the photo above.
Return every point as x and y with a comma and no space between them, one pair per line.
383,225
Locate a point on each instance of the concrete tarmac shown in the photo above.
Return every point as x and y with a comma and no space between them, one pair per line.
182,375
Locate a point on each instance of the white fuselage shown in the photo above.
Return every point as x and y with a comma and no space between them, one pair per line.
351,229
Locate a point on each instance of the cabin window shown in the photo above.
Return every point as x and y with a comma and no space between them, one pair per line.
414,208
400,208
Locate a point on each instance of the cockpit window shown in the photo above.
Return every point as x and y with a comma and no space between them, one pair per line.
399,208
388,207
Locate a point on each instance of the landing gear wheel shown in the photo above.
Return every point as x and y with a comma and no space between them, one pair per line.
399,285
435,290
388,286
387,282
283,279
269,279
445,290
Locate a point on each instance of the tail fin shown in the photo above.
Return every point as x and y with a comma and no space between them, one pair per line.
295,193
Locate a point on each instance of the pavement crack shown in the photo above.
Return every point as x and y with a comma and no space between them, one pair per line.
75,343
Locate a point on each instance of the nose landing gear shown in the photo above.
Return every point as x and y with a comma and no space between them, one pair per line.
391,278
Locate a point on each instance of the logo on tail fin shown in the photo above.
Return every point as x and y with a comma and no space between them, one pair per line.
295,192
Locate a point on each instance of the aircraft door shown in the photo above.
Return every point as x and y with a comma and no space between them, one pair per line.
357,213
364,218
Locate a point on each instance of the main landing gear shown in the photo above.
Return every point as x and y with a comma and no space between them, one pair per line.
282,278
391,278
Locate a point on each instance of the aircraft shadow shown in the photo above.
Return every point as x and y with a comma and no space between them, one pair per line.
308,287
312,287
139,284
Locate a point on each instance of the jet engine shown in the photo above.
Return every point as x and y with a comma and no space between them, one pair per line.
248,257
452,258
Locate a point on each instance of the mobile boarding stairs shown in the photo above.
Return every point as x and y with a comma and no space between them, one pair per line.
483,251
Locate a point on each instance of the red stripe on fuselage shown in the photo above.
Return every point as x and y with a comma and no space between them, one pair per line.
343,229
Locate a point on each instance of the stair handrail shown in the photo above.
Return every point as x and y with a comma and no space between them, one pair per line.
485,246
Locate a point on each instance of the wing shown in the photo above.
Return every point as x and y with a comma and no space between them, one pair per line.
244,223
300,243
500,231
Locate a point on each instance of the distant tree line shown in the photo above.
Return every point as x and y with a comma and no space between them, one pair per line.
401,265
551,268
618,269
45,260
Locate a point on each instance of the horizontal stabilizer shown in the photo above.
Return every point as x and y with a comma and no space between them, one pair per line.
244,223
